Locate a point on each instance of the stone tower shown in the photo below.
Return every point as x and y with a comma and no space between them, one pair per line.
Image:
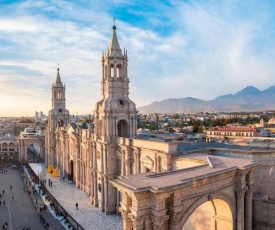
115,114
58,116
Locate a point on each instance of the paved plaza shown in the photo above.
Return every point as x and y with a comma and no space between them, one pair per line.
88,216
20,211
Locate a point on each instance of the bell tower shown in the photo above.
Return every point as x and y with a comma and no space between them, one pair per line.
115,114
58,116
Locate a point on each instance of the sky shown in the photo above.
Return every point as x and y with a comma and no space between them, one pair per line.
176,49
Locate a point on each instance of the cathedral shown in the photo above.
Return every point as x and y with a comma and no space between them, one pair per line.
153,184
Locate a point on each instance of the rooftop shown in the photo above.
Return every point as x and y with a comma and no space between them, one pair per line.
157,182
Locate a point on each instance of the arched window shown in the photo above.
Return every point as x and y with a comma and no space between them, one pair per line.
60,123
59,95
112,70
119,71
123,128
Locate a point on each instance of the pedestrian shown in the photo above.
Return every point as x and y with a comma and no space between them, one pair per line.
51,183
12,197
76,205
4,203
10,188
5,226
63,178
3,192
0,203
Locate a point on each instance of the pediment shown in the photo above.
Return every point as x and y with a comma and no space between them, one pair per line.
147,162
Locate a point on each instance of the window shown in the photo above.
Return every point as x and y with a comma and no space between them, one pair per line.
112,70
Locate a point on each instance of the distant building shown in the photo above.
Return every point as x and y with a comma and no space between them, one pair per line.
231,132
8,148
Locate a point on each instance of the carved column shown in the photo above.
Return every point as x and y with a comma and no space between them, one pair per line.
126,204
138,223
159,222
127,164
248,203
127,223
95,189
240,191
123,163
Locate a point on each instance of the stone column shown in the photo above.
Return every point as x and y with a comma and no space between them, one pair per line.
240,208
126,204
106,197
138,223
95,189
127,223
248,209
159,222
248,202
123,163
102,200
77,165
127,163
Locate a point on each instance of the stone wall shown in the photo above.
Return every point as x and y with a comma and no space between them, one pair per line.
263,214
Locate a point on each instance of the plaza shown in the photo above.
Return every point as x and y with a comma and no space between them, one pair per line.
20,211
67,195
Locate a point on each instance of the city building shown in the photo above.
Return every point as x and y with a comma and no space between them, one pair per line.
231,132
8,148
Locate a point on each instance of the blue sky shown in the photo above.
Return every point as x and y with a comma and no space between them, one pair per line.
192,48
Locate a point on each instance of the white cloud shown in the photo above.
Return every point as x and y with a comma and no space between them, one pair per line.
197,49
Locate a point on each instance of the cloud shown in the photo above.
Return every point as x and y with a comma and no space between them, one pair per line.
176,49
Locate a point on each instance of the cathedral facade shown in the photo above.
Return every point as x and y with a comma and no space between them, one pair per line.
93,157
153,184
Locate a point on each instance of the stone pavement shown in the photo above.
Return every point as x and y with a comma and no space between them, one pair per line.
88,216
20,211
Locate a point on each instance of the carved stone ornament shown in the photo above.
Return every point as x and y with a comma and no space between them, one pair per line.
138,222
158,222
98,155
147,162
176,217
124,214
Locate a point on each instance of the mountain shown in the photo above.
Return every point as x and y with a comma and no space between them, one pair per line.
248,99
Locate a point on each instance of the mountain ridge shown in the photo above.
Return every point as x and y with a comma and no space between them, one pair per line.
248,99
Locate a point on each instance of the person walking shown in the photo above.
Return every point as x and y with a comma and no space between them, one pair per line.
10,188
4,203
76,206
5,226
3,192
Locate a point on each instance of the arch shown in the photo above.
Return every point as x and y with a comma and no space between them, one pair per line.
119,71
210,212
4,146
59,94
112,69
60,123
11,146
122,128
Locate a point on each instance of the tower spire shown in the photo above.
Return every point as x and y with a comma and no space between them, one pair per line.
114,48
58,82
